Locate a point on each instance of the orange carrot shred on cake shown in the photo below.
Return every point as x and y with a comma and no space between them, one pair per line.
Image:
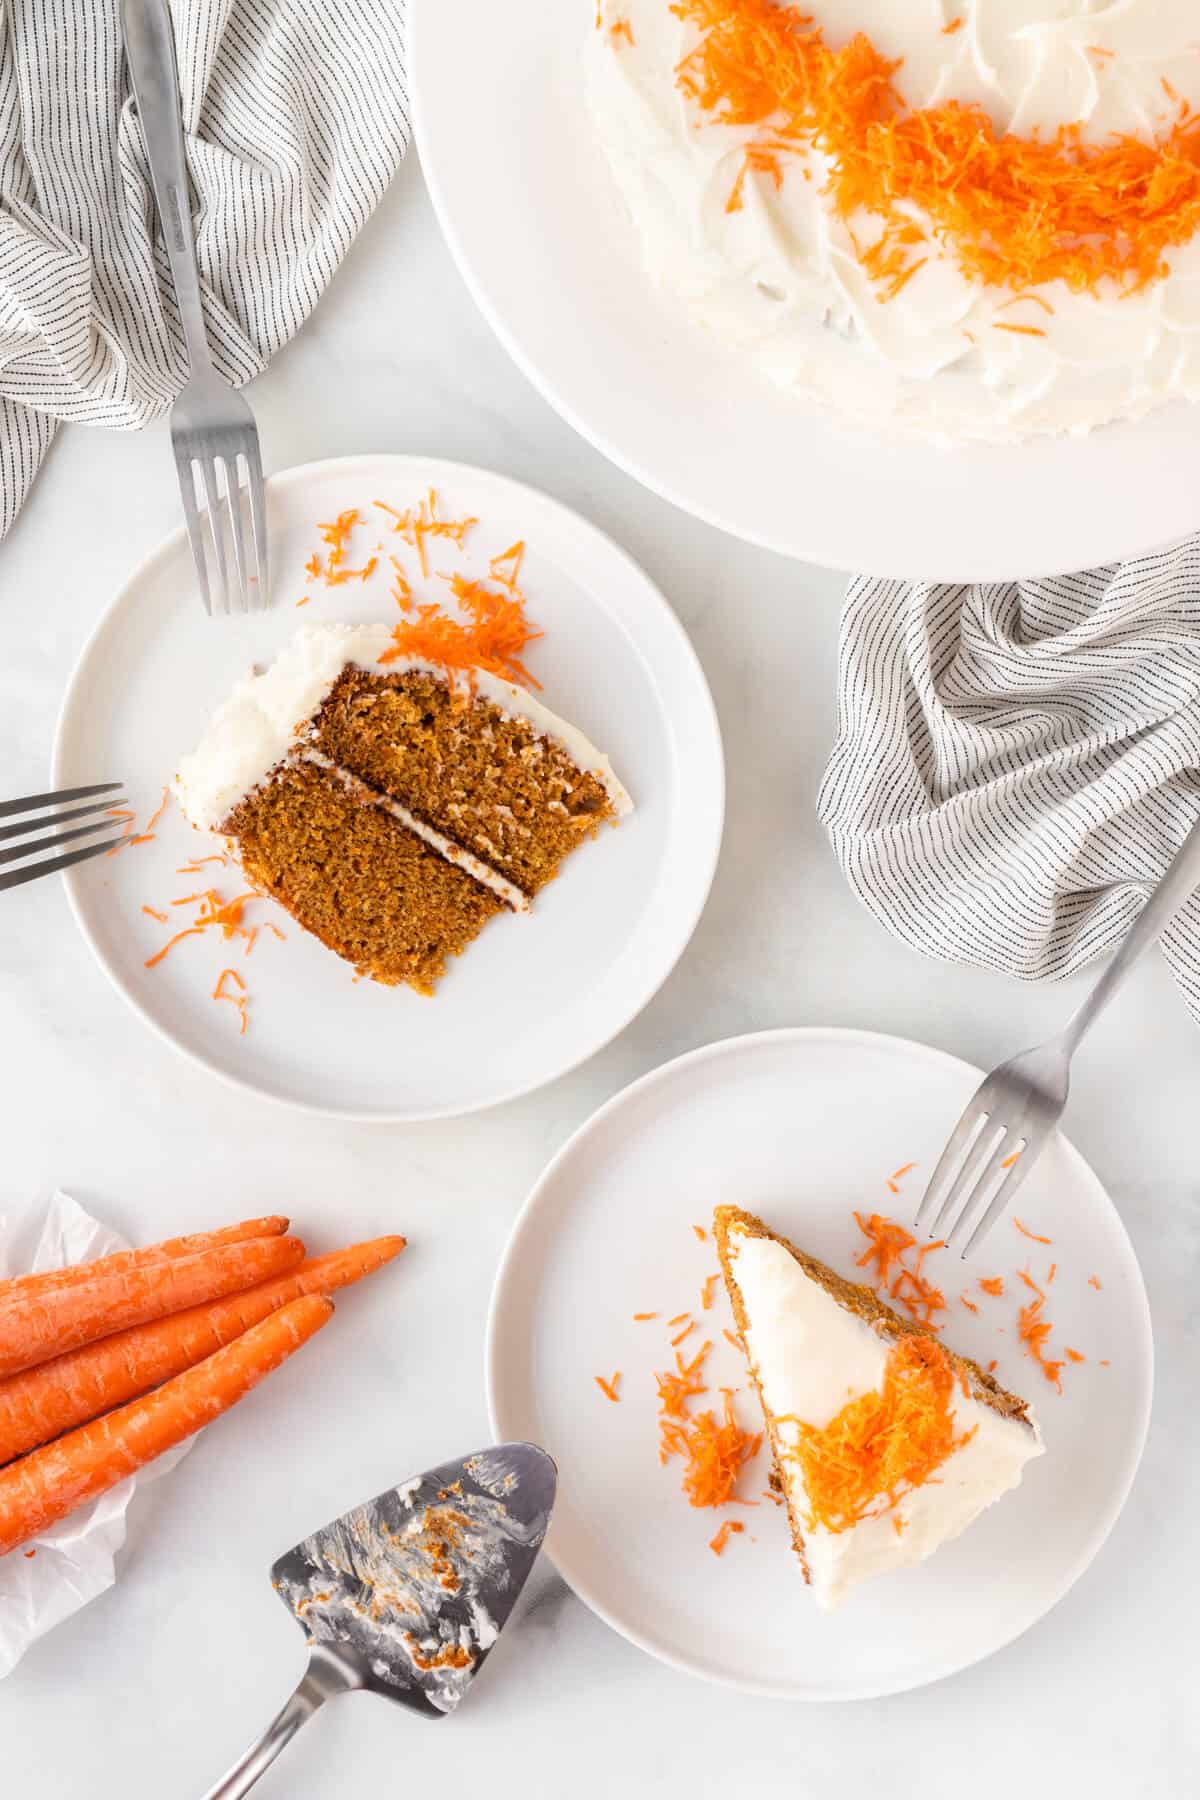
609,1388
152,912
1095,1282
1034,1236
992,1284
493,637
1018,331
725,1531
621,28
955,24
883,1443
1013,210
887,1243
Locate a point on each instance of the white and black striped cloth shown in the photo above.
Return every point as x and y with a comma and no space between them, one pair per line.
1017,763
296,118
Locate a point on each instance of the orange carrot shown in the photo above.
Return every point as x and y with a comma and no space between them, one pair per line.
40,1489
122,1261
41,1403
33,1328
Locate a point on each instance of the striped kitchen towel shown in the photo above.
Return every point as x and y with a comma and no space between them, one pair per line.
296,118
1016,763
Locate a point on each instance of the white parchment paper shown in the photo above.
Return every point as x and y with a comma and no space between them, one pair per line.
73,1562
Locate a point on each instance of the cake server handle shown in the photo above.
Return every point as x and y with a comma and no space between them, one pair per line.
327,1674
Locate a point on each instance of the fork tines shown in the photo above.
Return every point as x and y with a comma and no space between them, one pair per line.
225,510
28,836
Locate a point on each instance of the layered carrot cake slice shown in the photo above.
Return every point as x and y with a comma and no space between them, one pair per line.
394,805
887,1444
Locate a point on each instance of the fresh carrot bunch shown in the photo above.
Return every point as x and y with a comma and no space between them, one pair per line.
107,1364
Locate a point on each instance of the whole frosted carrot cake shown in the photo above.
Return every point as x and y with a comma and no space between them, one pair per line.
962,219
394,804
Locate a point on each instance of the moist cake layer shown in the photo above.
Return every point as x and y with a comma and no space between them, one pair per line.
485,779
817,1342
368,888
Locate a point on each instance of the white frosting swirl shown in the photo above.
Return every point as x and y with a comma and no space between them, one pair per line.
779,279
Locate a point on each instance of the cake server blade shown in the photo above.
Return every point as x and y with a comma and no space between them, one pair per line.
406,1595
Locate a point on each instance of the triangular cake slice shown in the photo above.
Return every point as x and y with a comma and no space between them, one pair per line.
886,1443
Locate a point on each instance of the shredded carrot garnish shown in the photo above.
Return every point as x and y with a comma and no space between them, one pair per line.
152,912
152,962
736,1342
492,637
954,25
639,1317
1104,1363
1018,331
679,1318
506,568
1095,1282
992,1366
609,1388
1051,1272
902,1171
992,1284
199,862
143,837
621,29
714,1452
887,1243
1015,211
224,915
724,1532
686,1332
1035,1329
700,1232
417,525
884,1443
159,810
1033,1235
306,600
969,1304
1075,1356
239,999
706,1292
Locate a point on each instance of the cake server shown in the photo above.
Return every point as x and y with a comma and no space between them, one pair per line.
406,1595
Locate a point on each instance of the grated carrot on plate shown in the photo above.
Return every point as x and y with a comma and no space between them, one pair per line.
992,1284
609,1387
1034,1236
1034,1330
725,1531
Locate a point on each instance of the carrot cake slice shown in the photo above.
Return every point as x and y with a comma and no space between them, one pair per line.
887,1444
393,805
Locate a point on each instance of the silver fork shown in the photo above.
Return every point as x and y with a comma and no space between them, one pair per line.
212,428
13,847
1012,1115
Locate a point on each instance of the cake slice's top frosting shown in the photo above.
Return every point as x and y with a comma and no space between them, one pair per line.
264,715
813,1357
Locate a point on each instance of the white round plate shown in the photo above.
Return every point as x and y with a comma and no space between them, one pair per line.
800,1127
542,238
534,995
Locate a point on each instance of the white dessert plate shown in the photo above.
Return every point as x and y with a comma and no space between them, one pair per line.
801,1127
535,994
540,233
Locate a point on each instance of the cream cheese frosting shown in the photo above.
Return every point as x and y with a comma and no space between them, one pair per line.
779,279
812,1356
264,719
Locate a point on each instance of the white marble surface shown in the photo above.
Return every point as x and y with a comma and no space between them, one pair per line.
151,1691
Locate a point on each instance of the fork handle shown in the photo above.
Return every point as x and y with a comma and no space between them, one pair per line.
1177,885
154,77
